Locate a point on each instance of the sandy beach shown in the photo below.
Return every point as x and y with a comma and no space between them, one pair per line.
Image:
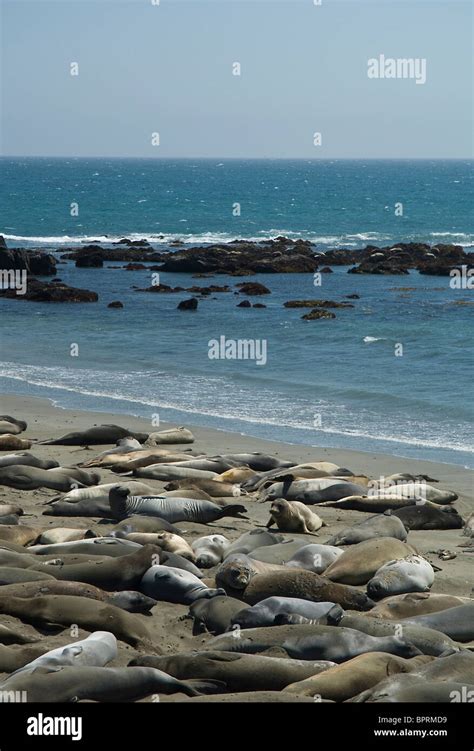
170,632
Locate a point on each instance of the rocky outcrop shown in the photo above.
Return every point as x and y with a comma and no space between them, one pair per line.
115,304
90,261
32,261
190,304
316,304
317,313
165,288
241,258
253,288
142,253
244,304
38,291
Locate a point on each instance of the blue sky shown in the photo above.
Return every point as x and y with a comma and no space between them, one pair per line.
168,69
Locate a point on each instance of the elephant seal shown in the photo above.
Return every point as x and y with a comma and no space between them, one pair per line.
457,623
239,672
15,656
64,534
11,519
257,461
315,558
344,681
23,477
71,684
420,490
9,442
305,585
292,516
360,562
175,544
280,552
237,475
14,575
28,460
176,561
131,459
98,435
109,546
86,613
123,572
457,667
309,642
266,611
168,584
237,570
425,516
172,510
10,508
256,538
380,525
412,604
172,435
410,574
210,550
96,650
214,615
11,426
90,508
213,488
311,491
101,492
18,534
133,602
167,472
427,640
142,524
123,446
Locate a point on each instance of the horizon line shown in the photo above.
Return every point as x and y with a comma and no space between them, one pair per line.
244,158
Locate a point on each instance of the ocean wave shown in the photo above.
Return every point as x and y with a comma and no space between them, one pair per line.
202,399
338,241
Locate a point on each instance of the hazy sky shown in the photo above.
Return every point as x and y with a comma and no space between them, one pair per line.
168,69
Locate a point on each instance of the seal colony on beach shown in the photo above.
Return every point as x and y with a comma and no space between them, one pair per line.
237,575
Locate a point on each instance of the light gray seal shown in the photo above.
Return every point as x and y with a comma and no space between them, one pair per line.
311,491
23,457
411,574
256,538
23,477
457,623
310,642
214,615
96,650
210,550
315,558
72,684
168,584
266,611
380,525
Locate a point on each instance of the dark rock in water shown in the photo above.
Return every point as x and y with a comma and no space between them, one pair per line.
258,305
190,304
134,266
209,290
326,270
32,261
115,304
133,243
317,313
2,243
244,304
38,291
163,288
253,288
380,266
353,297
316,304
90,261
140,254
243,257
203,276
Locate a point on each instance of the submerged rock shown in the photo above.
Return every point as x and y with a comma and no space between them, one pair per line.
317,313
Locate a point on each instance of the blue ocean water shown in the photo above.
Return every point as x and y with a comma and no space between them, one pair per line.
326,383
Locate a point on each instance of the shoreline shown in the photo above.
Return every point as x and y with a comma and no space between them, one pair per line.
57,420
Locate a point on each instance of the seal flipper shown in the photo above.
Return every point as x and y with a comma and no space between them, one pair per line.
201,686
234,509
